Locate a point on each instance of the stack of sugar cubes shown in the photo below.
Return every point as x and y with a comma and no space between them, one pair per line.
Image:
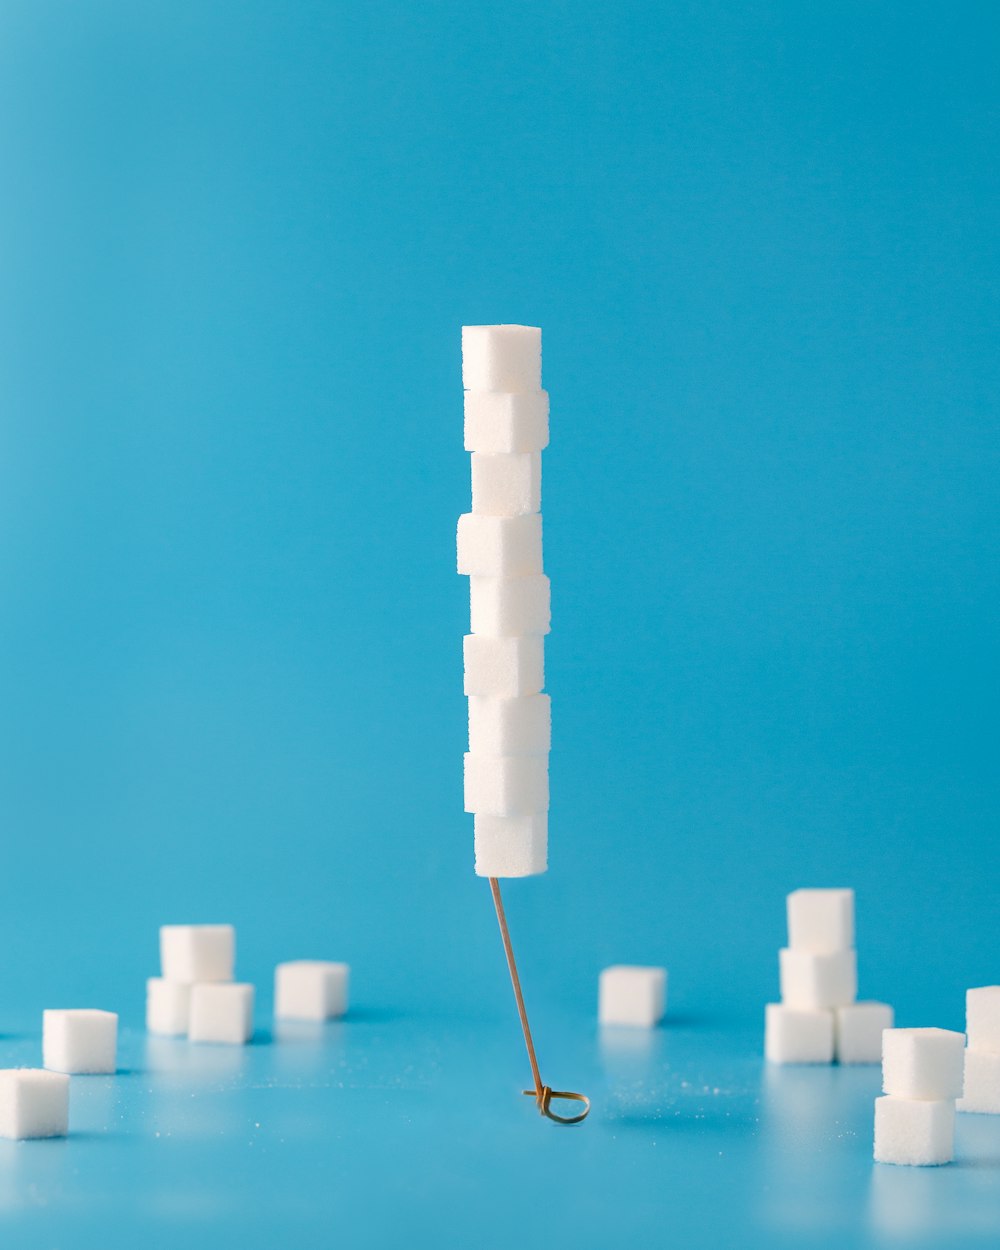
922,1078
195,996
500,550
981,1090
818,1017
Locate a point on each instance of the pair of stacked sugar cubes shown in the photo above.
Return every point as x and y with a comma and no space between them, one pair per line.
500,550
34,1102
818,1017
197,997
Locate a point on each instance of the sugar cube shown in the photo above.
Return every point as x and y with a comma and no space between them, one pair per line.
859,1028
982,1018
509,606
632,994
197,952
918,1132
506,485
33,1103
80,1041
501,358
499,546
168,1004
310,989
981,1089
922,1063
501,424
511,846
798,1034
221,1012
506,785
812,980
821,921
510,726
504,668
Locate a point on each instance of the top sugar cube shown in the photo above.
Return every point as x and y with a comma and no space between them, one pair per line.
821,921
501,358
982,1018
197,952
923,1063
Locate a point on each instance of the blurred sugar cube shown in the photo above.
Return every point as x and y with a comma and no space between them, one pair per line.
197,952
307,989
632,994
798,1034
80,1041
221,1012
33,1103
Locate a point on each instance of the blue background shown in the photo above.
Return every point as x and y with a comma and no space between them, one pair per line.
237,242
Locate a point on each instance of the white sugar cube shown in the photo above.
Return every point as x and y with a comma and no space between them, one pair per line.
511,846
811,980
633,995
821,921
500,424
501,358
310,989
197,952
981,1089
798,1034
982,1018
33,1103
509,606
918,1132
168,1004
80,1041
506,785
506,485
504,668
859,1031
221,1012
510,726
499,546
923,1063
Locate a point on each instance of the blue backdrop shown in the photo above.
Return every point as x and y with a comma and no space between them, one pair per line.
238,241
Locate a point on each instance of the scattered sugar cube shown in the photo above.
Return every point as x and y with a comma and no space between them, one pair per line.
502,424
859,1031
221,1012
923,1063
798,1034
633,995
80,1041
811,980
499,546
506,485
509,606
821,921
168,1005
511,846
982,1018
510,726
918,1132
501,358
197,952
309,989
33,1103
981,1090
504,668
506,785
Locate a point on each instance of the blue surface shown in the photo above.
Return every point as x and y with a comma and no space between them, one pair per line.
237,244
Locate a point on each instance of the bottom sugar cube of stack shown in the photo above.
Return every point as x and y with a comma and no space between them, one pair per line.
80,1041
914,1132
921,1077
33,1103
859,1029
511,846
221,1012
633,995
168,1007
981,1088
798,1034
308,989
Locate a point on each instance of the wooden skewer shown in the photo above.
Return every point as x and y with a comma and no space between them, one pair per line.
542,1094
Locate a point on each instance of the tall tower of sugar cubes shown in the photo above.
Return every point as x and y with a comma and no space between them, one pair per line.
500,551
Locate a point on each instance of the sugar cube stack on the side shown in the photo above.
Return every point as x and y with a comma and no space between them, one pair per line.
981,1086
500,550
196,996
819,1017
922,1078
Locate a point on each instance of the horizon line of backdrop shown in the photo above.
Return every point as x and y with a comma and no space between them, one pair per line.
238,244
